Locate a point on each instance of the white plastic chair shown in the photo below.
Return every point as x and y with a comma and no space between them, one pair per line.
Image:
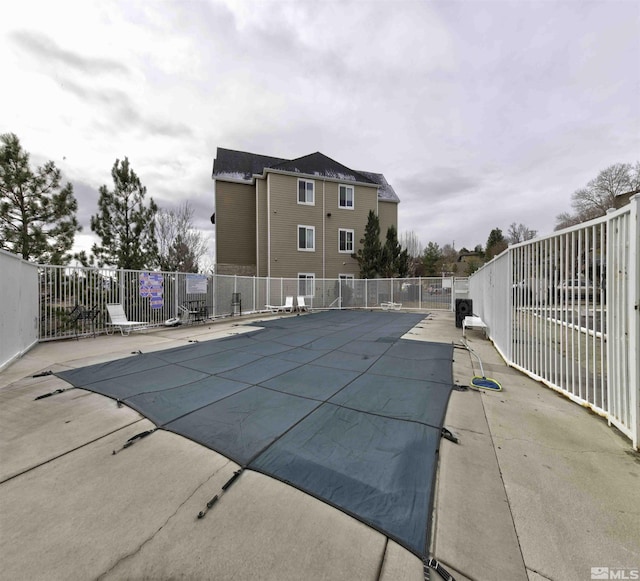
119,321
301,304
286,308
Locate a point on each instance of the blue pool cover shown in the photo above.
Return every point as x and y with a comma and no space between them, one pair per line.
333,403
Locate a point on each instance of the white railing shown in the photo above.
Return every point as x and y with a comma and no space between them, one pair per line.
73,299
564,309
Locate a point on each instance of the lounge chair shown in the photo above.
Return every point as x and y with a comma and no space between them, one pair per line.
390,306
301,304
286,308
119,321
473,322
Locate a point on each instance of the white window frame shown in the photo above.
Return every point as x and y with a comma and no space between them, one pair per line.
308,278
353,241
353,197
313,192
347,278
307,228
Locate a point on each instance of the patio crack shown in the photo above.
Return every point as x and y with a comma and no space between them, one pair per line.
500,439
164,524
541,574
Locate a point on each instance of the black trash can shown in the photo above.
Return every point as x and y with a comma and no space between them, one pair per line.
464,308
236,304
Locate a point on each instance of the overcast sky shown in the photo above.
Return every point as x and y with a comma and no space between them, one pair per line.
478,113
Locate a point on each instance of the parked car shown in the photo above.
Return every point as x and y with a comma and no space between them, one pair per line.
576,289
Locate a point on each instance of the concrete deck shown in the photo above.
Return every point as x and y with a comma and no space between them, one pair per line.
537,488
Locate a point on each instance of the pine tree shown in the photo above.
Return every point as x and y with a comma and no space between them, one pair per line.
37,214
368,256
496,243
431,259
394,261
125,226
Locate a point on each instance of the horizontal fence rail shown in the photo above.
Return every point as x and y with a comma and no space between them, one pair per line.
564,309
73,299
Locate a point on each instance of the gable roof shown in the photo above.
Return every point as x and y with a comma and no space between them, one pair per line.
320,165
231,164
241,165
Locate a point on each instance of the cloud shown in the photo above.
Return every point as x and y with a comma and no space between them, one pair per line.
47,52
479,114
87,197
118,107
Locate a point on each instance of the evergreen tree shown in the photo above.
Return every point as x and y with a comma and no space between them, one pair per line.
431,259
496,243
37,214
125,226
368,256
394,261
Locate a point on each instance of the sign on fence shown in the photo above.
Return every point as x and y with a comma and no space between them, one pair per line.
196,284
151,286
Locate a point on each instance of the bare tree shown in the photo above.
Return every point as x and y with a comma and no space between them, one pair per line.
520,233
411,243
566,219
600,193
180,245
448,264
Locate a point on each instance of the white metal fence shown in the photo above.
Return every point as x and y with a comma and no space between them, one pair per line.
73,299
564,310
18,307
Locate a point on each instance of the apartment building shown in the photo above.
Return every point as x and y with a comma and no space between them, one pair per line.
299,218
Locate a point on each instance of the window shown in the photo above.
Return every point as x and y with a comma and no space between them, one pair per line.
345,240
345,197
306,282
305,192
347,279
306,238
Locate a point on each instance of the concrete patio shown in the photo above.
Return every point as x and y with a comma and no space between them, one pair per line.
537,487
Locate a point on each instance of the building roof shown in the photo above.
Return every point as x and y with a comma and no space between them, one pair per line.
385,191
243,166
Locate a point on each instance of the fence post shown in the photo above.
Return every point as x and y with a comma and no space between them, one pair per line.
176,287
121,288
366,294
453,294
633,280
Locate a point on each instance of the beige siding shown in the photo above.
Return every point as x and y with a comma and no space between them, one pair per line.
388,214
235,223
341,218
244,219
285,216
261,186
